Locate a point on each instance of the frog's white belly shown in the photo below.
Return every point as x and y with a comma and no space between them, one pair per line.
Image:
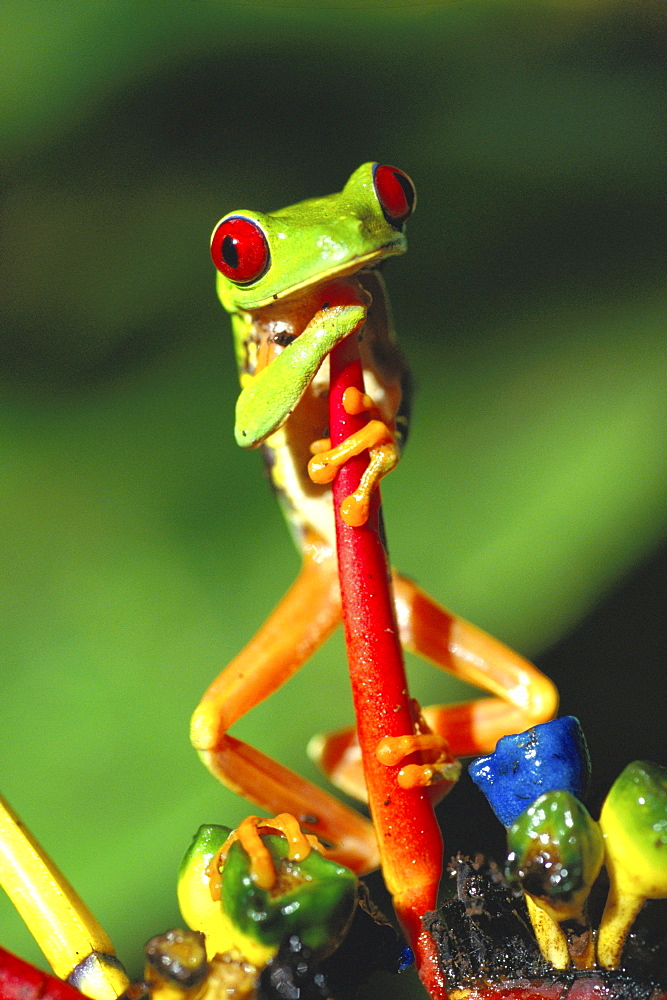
307,507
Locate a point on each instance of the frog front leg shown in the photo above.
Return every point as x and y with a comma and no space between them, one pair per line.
299,624
269,396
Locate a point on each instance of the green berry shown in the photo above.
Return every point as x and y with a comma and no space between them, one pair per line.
556,852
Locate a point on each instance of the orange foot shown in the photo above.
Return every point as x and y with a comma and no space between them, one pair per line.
437,762
262,868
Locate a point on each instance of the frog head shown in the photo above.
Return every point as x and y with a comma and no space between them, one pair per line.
264,257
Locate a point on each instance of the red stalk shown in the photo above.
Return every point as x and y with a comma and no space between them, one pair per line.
408,835
20,980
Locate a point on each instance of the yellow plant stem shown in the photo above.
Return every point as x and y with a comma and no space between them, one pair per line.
73,942
617,919
550,937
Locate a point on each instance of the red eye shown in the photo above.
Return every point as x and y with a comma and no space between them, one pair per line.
396,194
239,250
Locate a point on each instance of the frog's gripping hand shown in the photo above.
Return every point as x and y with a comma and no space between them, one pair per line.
376,438
271,395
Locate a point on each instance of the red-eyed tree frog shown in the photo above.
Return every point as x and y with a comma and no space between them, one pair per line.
296,282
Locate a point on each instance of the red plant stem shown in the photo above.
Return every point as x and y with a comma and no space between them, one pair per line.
21,981
408,835
586,986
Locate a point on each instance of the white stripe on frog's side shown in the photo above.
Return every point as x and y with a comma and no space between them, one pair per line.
307,507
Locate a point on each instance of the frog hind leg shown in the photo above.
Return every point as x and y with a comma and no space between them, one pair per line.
304,618
522,695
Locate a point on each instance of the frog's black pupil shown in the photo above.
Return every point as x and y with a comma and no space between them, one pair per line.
230,254
408,189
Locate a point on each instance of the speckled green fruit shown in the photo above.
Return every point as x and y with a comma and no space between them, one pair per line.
634,823
314,898
556,852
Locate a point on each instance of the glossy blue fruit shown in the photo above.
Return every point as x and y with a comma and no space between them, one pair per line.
546,758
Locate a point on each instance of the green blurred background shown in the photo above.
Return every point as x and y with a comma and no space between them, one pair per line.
141,548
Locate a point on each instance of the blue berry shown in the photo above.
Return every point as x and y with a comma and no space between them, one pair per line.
550,757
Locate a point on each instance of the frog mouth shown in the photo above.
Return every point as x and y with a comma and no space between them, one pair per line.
368,262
